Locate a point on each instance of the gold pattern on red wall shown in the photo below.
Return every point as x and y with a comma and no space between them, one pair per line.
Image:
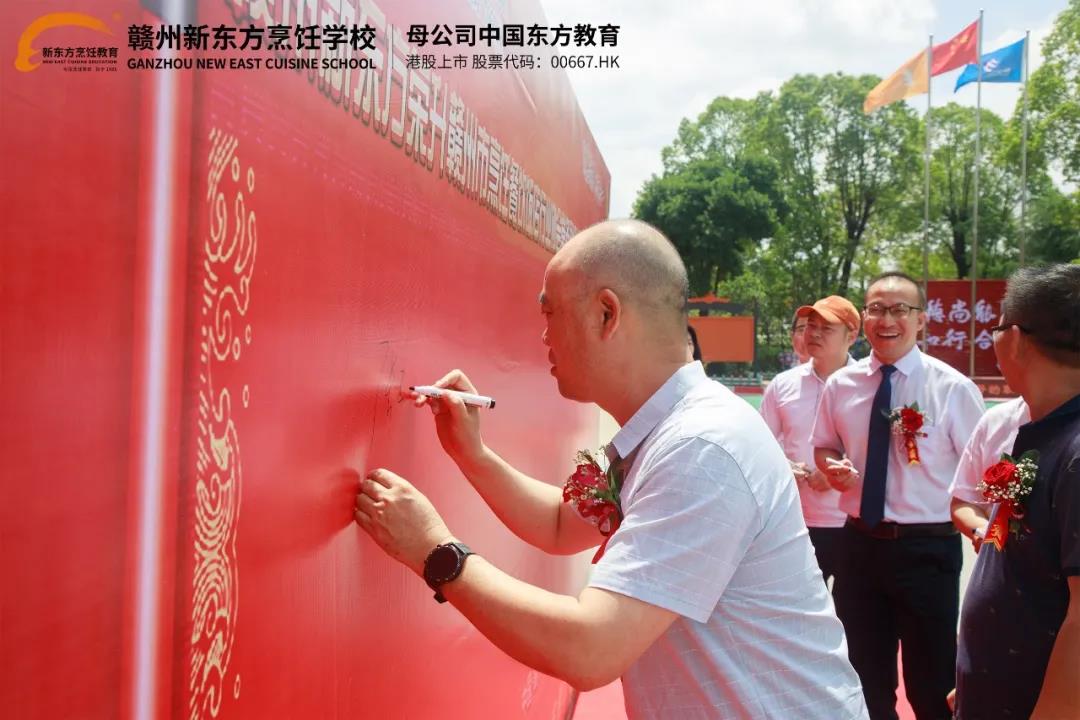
228,264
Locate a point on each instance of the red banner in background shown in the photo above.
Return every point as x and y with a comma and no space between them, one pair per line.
948,317
215,283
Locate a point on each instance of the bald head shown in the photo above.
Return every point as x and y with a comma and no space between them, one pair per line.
636,261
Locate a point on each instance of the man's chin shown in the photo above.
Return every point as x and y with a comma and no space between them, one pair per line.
568,392
1013,379
892,348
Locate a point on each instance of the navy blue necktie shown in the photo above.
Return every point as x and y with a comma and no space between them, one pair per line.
878,440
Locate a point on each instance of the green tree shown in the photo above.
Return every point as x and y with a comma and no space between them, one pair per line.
952,189
1055,227
1053,217
728,128
840,167
718,195
772,200
825,168
1055,96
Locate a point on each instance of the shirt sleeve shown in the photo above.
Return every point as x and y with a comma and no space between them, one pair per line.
1066,508
825,434
770,413
684,532
970,468
965,409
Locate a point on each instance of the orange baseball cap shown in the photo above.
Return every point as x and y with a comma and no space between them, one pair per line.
834,309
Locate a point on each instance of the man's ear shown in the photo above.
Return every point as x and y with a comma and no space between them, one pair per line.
1021,347
611,308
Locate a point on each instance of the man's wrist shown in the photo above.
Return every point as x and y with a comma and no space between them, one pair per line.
443,565
416,562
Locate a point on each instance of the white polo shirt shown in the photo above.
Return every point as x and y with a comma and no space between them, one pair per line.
953,406
713,531
789,407
994,435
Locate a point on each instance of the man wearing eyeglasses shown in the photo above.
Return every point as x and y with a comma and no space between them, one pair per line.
1020,629
798,338
900,582
789,406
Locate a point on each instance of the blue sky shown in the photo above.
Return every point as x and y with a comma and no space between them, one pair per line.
676,57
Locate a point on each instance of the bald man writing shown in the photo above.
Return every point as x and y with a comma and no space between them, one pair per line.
707,601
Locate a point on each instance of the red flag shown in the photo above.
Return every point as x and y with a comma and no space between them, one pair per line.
961,50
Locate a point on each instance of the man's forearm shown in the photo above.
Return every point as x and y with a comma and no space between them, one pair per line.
531,509
968,517
587,641
538,628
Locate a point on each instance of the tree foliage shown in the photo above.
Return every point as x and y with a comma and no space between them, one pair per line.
783,198
785,186
1053,228
952,187
841,166
713,209
1055,96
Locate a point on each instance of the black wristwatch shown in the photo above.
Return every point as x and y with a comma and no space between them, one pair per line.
444,564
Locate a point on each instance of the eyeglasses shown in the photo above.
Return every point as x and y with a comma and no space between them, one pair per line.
899,310
1054,343
1005,326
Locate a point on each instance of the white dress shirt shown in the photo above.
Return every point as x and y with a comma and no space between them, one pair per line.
994,435
952,405
712,531
789,407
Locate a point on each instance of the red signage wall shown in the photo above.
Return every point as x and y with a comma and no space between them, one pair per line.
948,331
215,284
725,339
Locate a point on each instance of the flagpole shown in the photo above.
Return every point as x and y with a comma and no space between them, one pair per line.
975,218
1023,155
926,187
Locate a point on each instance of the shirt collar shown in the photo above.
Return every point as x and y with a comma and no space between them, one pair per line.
906,365
1061,412
813,373
657,407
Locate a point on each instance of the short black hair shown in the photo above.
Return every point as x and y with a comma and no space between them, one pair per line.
693,341
901,276
1045,302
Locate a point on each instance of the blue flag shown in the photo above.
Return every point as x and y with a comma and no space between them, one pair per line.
1001,66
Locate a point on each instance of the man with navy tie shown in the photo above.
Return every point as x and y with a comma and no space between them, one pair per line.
902,569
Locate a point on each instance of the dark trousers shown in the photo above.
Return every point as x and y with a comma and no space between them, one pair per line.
905,590
828,545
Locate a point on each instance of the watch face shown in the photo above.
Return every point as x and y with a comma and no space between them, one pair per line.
442,564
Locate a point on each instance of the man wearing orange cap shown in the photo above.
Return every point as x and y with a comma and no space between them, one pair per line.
789,407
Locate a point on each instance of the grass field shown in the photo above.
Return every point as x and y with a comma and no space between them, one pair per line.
754,400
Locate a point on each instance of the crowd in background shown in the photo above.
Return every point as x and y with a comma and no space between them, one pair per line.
718,530
895,457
